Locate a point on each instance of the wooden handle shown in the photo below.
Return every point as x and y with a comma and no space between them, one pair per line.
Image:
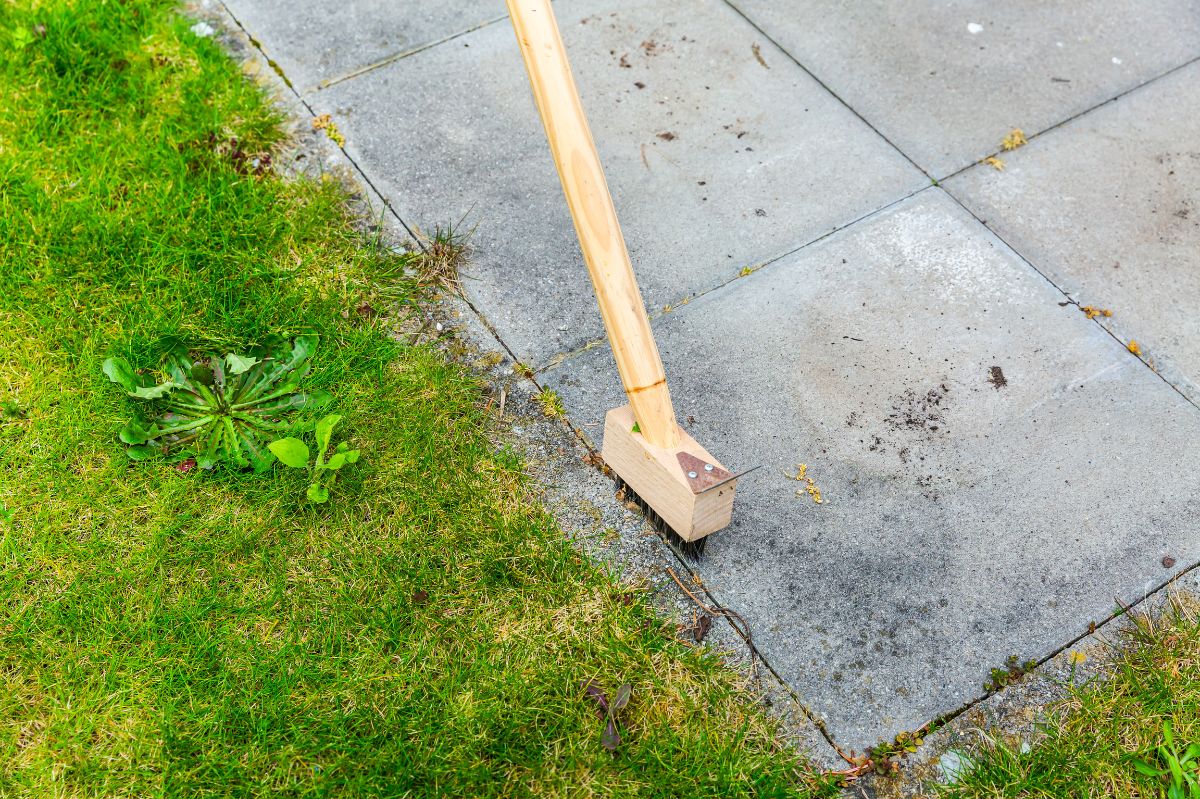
595,220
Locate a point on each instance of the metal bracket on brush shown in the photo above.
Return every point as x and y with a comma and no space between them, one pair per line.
703,476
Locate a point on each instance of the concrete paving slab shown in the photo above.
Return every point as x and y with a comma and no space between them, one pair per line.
994,468
314,41
720,152
946,81
1108,206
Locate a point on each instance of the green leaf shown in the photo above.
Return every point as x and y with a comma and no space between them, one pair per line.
622,697
299,400
261,458
239,364
179,366
233,444
203,375
352,456
337,461
325,430
302,349
1168,733
1142,767
22,38
318,493
120,372
635,428
141,452
154,392
1176,771
137,432
291,452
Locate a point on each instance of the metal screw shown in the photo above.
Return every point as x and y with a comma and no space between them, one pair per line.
708,467
692,475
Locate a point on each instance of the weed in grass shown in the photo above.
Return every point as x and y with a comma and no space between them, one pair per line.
218,409
322,472
608,710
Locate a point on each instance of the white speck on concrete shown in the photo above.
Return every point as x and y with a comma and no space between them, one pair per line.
202,29
1058,44
974,27
1116,60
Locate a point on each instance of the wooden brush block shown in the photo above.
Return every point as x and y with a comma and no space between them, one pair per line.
660,477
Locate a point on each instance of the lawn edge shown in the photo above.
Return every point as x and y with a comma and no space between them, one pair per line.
578,496
1016,710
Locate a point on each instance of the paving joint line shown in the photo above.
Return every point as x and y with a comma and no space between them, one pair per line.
940,721
1065,295
1077,115
258,45
961,169
383,62
826,87
558,359
753,650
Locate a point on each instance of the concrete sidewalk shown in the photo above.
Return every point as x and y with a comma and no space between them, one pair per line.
837,280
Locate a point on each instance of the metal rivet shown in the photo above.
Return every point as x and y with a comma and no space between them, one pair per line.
692,475
708,467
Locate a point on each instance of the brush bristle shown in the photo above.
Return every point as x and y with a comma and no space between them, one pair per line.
688,550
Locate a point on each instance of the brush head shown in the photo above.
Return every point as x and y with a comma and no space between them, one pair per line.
687,550
687,489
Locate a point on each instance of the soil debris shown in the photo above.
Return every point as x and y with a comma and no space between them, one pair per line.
996,377
653,48
919,412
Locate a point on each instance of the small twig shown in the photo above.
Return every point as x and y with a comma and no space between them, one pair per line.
735,619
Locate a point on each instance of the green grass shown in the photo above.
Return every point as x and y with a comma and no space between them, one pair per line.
428,632
1092,736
